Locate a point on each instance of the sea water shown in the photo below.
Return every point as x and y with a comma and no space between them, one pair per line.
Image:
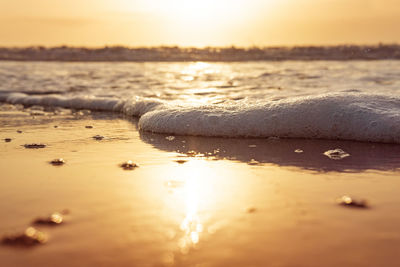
338,100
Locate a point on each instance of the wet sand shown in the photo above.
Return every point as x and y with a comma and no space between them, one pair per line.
192,201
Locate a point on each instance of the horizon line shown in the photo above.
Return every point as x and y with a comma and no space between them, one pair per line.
377,44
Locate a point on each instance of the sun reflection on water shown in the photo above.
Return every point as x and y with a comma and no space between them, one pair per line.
200,74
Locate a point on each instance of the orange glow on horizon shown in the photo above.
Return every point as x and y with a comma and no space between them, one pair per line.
198,23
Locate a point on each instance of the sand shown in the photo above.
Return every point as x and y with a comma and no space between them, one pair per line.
192,201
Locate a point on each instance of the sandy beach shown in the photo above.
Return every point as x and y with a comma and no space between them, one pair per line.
212,133
193,201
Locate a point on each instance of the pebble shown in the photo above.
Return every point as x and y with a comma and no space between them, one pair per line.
30,237
88,126
98,137
351,202
57,162
298,151
34,145
7,140
54,219
129,165
19,131
180,161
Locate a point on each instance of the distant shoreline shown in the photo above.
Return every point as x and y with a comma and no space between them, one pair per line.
211,54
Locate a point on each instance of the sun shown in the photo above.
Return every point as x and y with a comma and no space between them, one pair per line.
194,22
194,12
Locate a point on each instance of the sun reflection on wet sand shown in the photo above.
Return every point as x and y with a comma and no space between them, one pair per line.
191,183
193,202
191,224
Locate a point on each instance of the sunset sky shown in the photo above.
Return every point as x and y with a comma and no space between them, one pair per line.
198,23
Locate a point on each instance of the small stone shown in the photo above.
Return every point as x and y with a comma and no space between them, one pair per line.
30,237
34,146
88,126
336,154
54,219
57,162
7,140
129,165
55,126
180,161
19,131
351,202
98,137
298,151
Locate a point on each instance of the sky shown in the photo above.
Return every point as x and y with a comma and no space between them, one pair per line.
199,23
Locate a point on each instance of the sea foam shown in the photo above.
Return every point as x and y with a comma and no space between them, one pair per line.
337,116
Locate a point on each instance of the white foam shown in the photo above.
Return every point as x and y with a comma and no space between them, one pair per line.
133,107
341,116
360,117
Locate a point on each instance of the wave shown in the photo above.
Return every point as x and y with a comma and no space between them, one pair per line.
335,116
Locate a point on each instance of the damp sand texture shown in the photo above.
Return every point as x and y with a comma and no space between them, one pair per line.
193,200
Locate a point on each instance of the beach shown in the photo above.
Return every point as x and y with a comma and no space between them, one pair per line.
192,201
213,133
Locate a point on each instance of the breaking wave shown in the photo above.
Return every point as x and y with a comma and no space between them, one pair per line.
336,116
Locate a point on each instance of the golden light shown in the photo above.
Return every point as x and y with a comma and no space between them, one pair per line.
196,72
202,198
192,183
191,224
195,69
204,13
194,192
190,22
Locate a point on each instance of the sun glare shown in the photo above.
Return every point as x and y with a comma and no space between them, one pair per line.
188,19
202,10
193,182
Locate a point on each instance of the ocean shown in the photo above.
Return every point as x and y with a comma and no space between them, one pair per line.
355,100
